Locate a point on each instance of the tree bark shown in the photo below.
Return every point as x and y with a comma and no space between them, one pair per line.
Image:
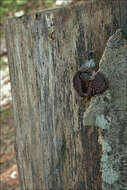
55,149
108,111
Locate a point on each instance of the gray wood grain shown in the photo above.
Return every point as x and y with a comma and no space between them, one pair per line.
54,148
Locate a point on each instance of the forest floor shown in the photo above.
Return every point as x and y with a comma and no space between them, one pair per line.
8,167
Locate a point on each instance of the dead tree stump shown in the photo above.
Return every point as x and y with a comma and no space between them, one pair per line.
55,150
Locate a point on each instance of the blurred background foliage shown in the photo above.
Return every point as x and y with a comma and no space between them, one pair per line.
9,7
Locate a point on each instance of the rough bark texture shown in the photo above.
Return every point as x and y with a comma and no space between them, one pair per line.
55,150
109,113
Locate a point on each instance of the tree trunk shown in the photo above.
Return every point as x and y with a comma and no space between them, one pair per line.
55,149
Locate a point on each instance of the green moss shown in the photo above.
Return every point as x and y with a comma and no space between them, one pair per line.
7,112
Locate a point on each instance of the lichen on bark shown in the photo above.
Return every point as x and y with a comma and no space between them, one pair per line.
108,111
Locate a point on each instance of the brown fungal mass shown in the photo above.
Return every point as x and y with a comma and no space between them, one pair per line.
98,85
86,86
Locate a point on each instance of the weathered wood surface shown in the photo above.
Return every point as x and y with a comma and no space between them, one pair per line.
54,148
109,112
